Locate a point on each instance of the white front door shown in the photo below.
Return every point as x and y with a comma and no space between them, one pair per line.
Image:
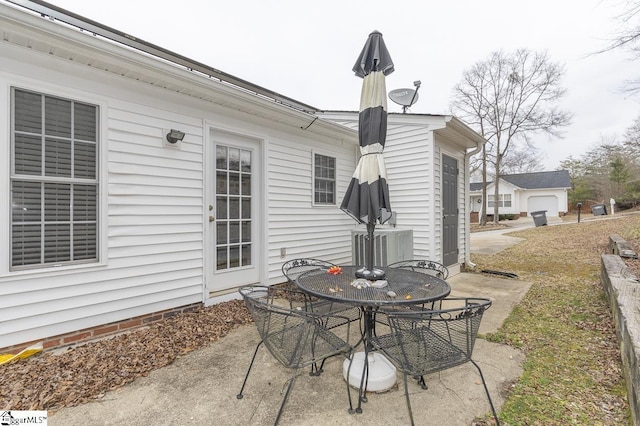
233,252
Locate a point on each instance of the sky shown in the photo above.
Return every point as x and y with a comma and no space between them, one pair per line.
306,50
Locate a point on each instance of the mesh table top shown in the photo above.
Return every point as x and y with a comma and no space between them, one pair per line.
404,287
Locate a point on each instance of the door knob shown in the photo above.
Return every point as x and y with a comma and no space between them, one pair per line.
212,219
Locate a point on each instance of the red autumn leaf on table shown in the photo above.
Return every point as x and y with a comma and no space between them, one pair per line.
335,270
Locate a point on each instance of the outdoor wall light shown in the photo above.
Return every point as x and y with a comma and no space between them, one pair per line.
175,136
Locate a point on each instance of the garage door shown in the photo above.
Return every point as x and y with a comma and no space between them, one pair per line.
547,202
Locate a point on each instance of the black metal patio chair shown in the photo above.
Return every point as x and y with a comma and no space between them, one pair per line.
423,266
428,341
292,269
295,337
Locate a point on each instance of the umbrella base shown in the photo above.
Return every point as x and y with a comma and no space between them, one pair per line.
381,372
372,275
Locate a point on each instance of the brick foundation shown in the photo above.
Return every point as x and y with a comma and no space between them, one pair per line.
105,330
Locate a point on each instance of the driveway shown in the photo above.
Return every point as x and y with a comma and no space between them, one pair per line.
491,242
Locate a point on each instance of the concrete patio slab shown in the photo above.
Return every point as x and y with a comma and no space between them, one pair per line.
200,388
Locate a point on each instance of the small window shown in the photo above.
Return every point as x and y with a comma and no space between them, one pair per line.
504,200
324,179
54,181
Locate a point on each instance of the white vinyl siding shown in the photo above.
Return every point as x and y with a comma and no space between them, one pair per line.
54,181
412,183
152,214
296,224
152,255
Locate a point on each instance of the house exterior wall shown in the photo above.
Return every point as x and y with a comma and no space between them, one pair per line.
295,224
412,185
413,157
411,182
506,188
151,252
152,208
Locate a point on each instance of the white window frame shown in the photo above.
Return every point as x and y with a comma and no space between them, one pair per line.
504,200
324,179
72,180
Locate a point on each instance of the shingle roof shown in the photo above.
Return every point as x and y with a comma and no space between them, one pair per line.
476,186
536,180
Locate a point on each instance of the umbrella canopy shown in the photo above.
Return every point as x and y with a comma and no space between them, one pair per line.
367,197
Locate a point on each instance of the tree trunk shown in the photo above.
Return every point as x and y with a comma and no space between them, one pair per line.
496,187
483,208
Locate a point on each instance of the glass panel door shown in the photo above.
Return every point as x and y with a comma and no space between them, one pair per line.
234,178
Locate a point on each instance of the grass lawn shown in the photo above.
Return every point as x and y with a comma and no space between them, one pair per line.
572,374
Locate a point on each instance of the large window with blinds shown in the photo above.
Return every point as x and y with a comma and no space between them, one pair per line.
54,181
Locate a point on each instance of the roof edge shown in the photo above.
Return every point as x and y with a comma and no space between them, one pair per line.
46,9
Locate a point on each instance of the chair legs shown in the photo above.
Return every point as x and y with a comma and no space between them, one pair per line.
493,410
315,372
253,358
422,383
286,394
406,394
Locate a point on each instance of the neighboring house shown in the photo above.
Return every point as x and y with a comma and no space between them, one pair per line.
427,160
523,193
109,225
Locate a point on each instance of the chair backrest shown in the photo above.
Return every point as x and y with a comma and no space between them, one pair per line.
295,337
434,340
424,266
292,269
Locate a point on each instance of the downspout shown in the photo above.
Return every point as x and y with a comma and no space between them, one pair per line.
467,156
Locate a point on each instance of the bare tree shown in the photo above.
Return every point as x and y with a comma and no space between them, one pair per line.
470,104
508,98
628,38
522,159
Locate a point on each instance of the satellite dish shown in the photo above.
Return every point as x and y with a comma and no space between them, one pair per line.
404,97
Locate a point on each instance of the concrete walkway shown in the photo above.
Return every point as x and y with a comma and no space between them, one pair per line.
491,242
200,388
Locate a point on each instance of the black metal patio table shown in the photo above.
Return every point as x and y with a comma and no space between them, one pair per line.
404,287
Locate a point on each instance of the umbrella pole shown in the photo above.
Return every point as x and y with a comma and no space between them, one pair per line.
370,243
368,272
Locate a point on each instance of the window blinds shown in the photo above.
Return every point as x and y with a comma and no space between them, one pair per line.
54,185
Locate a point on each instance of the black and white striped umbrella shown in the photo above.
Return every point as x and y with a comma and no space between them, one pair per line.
367,197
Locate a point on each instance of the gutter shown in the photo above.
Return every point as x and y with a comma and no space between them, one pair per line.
467,156
56,13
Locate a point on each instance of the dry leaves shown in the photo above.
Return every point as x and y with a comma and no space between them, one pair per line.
50,381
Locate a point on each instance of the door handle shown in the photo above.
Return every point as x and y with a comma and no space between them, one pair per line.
212,219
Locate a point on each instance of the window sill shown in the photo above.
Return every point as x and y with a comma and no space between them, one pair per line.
53,270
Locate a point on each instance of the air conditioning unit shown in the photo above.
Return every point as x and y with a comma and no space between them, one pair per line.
389,245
